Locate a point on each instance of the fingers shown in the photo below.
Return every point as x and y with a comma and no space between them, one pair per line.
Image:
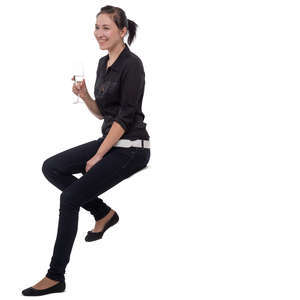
75,90
73,78
78,87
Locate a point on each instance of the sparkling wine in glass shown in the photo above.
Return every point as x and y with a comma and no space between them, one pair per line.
78,79
78,73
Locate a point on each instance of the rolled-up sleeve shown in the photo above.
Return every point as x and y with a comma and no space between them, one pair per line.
132,89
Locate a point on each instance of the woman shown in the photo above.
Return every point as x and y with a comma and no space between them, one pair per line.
123,149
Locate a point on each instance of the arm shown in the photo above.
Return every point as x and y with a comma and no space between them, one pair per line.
132,86
93,107
132,89
114,134
81,91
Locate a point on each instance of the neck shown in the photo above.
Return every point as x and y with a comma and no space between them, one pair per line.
115,52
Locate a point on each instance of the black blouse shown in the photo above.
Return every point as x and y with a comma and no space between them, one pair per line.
119,94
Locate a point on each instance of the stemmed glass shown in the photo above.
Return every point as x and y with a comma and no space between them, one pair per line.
78,77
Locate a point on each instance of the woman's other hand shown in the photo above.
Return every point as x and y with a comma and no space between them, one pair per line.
92,161
79,89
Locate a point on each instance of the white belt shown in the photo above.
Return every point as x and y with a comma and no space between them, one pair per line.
136,143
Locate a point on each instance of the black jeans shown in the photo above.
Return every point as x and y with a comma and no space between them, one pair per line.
116,165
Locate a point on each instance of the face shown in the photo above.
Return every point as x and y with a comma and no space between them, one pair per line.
107,33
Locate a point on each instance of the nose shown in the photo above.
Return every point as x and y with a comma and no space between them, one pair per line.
98,33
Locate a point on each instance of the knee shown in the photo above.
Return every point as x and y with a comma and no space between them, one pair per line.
68,201
47,166
65,198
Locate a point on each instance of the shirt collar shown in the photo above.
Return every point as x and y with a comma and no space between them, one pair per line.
115,66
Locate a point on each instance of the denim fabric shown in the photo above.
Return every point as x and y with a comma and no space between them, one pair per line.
116,165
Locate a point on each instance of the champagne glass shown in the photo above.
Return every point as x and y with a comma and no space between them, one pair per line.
78,77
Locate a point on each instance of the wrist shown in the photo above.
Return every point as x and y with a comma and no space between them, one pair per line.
86,98
99,155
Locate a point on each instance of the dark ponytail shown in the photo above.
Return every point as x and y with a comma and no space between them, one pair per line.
120,19
132,26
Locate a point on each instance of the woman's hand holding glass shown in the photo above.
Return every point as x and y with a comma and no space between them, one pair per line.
80,90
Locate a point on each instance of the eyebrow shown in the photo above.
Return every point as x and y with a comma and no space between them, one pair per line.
102,25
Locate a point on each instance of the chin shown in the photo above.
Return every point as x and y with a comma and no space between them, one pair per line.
103,47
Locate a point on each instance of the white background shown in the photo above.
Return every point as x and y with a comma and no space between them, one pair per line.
216,214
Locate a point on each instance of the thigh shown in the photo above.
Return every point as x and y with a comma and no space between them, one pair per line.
73,160
139,159
117,165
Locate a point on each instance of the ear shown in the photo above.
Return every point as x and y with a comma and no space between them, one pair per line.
123,31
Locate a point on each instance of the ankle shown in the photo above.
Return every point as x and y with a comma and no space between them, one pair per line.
106,217
51,280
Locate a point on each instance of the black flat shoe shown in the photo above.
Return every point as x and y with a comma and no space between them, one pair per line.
93,236
57,288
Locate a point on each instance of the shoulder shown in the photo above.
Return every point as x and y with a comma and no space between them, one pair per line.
133,61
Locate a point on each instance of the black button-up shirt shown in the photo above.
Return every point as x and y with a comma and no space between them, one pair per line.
119,94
